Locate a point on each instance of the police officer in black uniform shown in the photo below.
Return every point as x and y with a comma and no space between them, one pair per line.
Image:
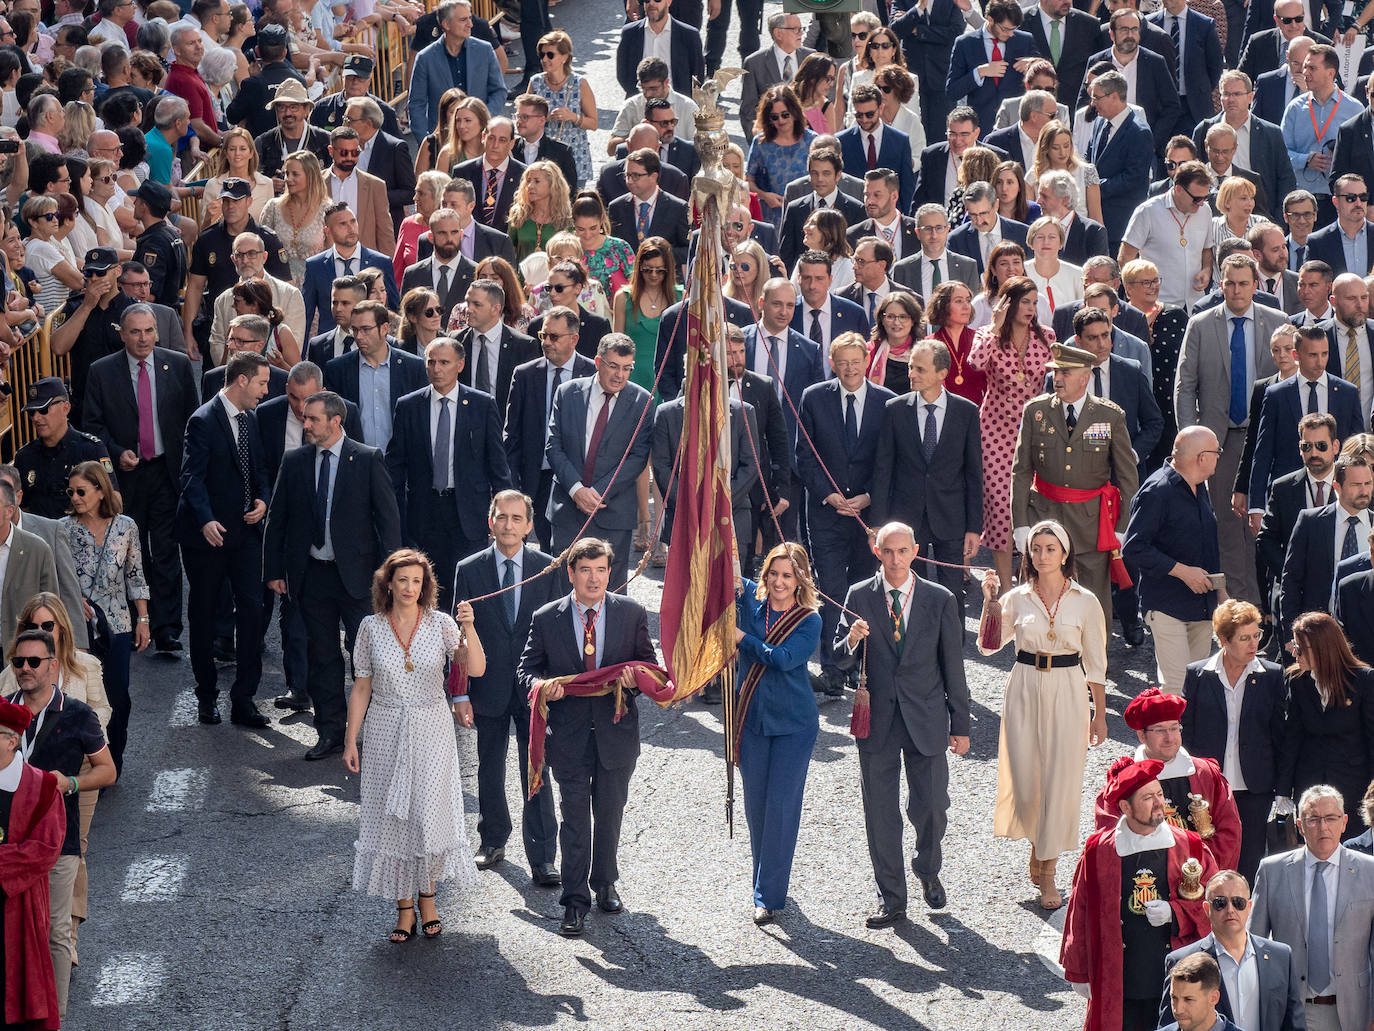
87,327
357,77
249,106
274,145
159,247
212,267
45,462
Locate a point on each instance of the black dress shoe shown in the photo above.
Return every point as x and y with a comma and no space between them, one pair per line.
933,891
573,923
167,644
488,857
546,875
835,683
323,747
208,712
710,694
608,900
1134,633
886,916
246,714
297,701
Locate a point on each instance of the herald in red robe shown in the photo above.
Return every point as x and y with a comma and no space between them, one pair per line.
1091,950
38,825
1207,780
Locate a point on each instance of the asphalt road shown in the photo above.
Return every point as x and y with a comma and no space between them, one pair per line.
220,870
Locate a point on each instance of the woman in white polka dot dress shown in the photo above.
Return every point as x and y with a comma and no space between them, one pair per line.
412,831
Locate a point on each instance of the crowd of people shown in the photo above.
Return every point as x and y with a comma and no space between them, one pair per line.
399,389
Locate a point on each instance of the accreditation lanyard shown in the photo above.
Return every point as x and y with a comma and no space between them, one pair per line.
1312,113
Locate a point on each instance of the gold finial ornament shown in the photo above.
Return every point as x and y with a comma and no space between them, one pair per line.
714,180
1190,887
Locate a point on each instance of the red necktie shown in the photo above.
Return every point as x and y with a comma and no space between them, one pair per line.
147,447
594,445
996,56
589,639
872,154
1321,494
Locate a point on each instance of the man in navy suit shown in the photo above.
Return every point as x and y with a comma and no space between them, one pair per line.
1156,88
1355,146
1322,537
610,183
985,228
936,487
927,33
530,405
533,143
648,211
1035,109
1333,243
840,418
374,375
332,522
600,434
502,624
591,748
985,67
680,40
1262,988
493,348
435,69
224,492
871,144
1267,45
1355,611
671,352
938,174
346,257
819,314
885,221
1267,157
1056,193
1075,37
1122,149
1200,60
823,167
344,293
446,462
494,175
1119,379
1313,389
1351,333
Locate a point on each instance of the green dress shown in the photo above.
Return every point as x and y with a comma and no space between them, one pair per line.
530,237
644,332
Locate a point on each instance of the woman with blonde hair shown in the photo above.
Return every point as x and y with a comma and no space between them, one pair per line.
237,158
57,276
427,154
749,270
1236,202
565,247
1057,281
470,118
429,197
572,105
1054,150
78,125
297,216
540,209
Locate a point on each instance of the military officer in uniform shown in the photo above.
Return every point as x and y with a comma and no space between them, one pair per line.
45,462
1074,464
159,247
357,77
293,132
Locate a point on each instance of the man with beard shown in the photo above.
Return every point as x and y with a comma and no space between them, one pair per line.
364,194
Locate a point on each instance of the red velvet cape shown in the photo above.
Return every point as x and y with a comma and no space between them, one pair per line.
38,825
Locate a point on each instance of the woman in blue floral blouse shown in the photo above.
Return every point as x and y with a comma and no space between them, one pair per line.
779,150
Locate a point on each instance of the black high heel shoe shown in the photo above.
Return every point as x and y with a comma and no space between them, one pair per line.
436,924
400,935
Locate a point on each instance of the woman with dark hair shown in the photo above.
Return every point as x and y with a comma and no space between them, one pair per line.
86,232
517,312
778,626
951,308
899,89
608,258
1012,352
133,158
1013,195
421,318
977,166
1329,737
254,297
812,83
30,40
1061,656
897,324
778,153
411,831
825,231
882,50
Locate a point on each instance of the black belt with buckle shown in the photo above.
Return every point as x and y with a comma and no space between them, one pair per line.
1322,1000
447,492
1044,661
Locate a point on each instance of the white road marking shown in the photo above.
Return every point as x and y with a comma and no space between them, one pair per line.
128,978
155,879
176,790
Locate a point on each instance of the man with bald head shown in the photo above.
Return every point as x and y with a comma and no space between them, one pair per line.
1171,544
611,182
1349,336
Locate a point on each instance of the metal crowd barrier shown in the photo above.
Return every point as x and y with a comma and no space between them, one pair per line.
31,361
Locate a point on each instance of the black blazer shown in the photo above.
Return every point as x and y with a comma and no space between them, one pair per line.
1262,718
110,408
407,374
930,178
911,241
1287,497
688,63
320,349
497,692
775,452
479,462
516,350
211,488
554,649
364,525
822,416
589,333
1156,90
1079,39
486,243
212,382
1354,149
1247,456
1355,610
392,164
1309,565
667,436
794,216
947,490
472,172
1328,746
272,430
1262,48
672,342
611,182
1202,65
422,274
681,155
560,154
669,220
1085,239
527,418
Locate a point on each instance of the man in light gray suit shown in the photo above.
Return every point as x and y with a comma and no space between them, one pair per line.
69,588
919,707
594,424
1319,901
1212,390
1261,986
27,569
762,68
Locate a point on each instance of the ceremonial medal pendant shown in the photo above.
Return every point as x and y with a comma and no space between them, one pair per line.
1051,635
1182,241
590,649
410,666
959,379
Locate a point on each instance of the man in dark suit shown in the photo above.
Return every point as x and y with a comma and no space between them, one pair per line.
383,155
137,403
1083,238
1156,87
344,293
648,211
332,522
1119,379
1122,150
1198,66
533,144
1354,153
530,405
478,241
1034,110
919,706
610,183
494,349
824,168
885,220
983,65
1321,538
591,748
740,227
446,462
345,257
679,153
872,263
1355,611
927,33
1350,194
1267,46
770,438
671,351
835,452
1268,157
936,486
793,361
821,315
224,492
331,111
388,372
985,228
918,271
446,271
600,434
565,283
502,623
1064,36
494,175
688,58
1269,248
1351,336
870,144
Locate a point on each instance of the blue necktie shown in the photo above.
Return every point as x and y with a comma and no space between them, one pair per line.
929,436
851,421
1350,545
872,303
321,501
1239,380
507,585
1318,945
643,218
1100,138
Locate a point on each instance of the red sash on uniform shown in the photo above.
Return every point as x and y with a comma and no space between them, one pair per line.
1107,514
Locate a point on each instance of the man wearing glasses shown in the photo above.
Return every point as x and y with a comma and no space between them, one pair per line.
533,144
250,259
659,113
331,110
383,154
1267,46
1175,231
1346,244
647,211
652,74
1310,123
1259,144
374,375
771,64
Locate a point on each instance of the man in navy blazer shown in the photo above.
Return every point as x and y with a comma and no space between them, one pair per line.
345,257
980,204
1354,151
322,555
496,156
1156,87
819,314
940,496
983,65
784,350
1079,36
1289,495
591,748
1355,611
433,72
594,472
502,624
962,130
1122,149
891,147
649,211
835,456
671,351
344,374
824,169
1201,60
1325,243
1268,156
218,524
493,349
1273,92
927,34
688,60
1193,986
281,419
444,481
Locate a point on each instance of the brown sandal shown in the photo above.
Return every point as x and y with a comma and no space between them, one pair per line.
1050,899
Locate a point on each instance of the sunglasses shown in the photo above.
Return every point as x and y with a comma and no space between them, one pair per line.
883,45
558,288
548,55
736,226
32,661
1195,198
104,178
78,492
1295,20
549,334
50,216
1354,198
47,625
779,116
1172,166
1220,902
885,89
1320,446
860,36
665,121
744,266
430,312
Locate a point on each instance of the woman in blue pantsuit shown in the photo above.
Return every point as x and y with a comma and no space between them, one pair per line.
778,629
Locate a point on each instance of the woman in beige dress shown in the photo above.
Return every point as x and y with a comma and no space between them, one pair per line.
1061,642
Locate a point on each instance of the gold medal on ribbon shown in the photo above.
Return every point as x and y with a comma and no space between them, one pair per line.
590,649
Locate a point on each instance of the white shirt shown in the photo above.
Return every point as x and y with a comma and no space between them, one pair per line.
952,175
941,404
1328,494
1366,380
567,368
762,365
233,411
1027,148
1235,699
600,397
1330,877
365,155
895,225
1154,231
344,189
1128,842
490,341
1305,391
434,406
1362,520
1182,20
908,591
1306,318
859,396
830,200
531,149
152,384
1103,372
9,776
295,430
1242,984
326,552
452,267
987,241
1129,70
659,44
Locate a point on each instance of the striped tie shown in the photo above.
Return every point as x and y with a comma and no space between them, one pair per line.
1352,357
